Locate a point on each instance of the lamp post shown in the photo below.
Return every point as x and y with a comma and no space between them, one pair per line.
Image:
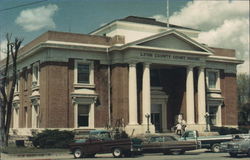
207,121
147,116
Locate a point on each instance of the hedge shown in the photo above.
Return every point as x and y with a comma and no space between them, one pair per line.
53,139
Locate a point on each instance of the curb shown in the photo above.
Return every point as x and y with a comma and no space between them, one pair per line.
32,155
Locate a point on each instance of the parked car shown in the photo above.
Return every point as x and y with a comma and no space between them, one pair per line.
168,145
238,137
239,147
208,142
102,142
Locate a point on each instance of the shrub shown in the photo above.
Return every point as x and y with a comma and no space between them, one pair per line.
53,139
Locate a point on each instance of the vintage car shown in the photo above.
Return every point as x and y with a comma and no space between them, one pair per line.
239,147
168,144
238,137
208,142
102,142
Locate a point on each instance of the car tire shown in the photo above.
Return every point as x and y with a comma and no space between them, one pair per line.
233,154
78,153
117,152
215,148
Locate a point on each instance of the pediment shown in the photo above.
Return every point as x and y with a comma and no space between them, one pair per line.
173,40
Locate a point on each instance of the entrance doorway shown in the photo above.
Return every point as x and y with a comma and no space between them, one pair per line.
156,117
159,109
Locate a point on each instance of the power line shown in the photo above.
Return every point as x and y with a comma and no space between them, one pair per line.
22,5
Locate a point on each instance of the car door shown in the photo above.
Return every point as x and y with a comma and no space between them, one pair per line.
153,145
170,143
92,146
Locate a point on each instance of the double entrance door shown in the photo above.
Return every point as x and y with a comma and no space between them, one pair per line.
159,117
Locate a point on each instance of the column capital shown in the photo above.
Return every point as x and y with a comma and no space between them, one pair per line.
132,64
201,67
146,64
189,67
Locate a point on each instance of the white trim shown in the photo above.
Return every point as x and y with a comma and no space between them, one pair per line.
91,116
91,73
35,80
207,50
217,85
16,118
169,50
218,113
76,44
34,115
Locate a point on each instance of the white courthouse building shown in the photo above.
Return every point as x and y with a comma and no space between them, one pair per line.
123,71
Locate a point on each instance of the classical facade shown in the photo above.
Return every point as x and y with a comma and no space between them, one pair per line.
121,72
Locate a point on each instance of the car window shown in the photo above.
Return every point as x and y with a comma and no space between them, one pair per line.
169,138
156,139
80,140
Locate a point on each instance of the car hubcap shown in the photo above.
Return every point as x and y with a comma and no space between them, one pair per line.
78,153
117,152
216,149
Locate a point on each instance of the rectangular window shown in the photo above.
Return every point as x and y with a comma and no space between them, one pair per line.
16,118
17,82
35,74
213,115
212,79
25,78
83,72
26,116
83,115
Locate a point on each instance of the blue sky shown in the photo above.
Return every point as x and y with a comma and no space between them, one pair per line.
224,23
81,16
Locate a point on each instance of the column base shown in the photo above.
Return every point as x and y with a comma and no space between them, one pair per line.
133,130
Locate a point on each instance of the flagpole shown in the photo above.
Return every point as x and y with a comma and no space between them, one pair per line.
168,13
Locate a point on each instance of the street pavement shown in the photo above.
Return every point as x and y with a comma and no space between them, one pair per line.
190,155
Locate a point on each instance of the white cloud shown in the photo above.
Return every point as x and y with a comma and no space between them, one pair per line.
224,24
233,34
209,14
37,18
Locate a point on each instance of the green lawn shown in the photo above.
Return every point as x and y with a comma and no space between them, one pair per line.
12,149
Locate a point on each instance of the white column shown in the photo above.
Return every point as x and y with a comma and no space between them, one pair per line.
75,115
146,99
201,96
132,95
92,115
190,95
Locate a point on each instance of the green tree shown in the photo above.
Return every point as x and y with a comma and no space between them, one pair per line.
243,83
